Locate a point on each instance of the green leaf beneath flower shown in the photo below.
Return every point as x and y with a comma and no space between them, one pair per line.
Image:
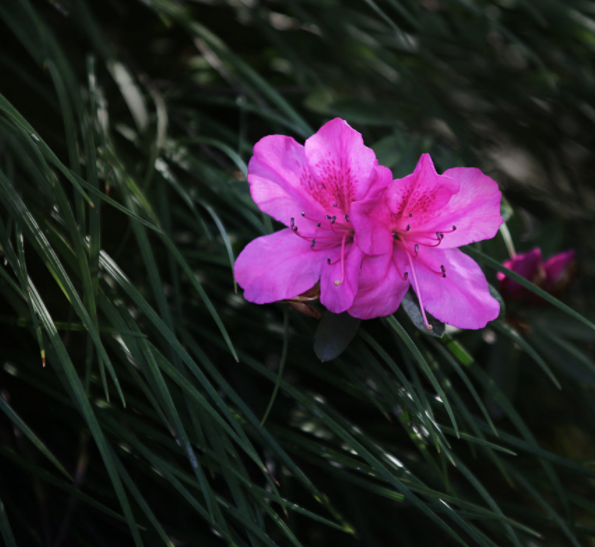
334,333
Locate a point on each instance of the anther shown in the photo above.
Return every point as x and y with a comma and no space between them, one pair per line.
327,216
295,228
408,227
454,228
333,220
441,235
303,214
442,267
337,282
406,276
335,205
438,235
292,221
410,215
328,260
318,224
313,243
443,275
347,218
416,248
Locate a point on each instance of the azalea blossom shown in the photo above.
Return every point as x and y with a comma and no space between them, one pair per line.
310,188
412,231
553,275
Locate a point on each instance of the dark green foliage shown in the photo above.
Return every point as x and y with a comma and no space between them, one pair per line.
125,128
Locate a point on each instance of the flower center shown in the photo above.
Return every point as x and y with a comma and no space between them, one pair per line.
409,240
329,232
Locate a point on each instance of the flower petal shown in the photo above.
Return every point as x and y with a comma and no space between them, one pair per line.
556,265
462,298
474,209
380,288
277,266
371,220
342,167
380,181
280,179
421,194
528,265
338,298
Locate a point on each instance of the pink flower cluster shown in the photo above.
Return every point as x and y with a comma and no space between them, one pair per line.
552,276
364,236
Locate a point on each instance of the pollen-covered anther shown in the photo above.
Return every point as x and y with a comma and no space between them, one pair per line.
337,282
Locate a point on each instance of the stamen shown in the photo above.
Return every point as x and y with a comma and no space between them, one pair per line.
347,218
318,224
335,205
418,293
327,217
339,281
410,215
416,249
292,221
328,261
443,271
303,214
408,227
313,243
295,228
454,228
333,220
403,277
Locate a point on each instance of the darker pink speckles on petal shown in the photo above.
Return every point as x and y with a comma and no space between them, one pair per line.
341,165
421,194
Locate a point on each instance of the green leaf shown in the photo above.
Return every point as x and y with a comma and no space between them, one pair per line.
334,333
410,304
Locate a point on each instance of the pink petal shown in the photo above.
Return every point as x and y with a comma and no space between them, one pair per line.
556,265
380,181
280,179
277,266
380,288
342,167
371,220
420,194
338,298
474,209
462,298
528,265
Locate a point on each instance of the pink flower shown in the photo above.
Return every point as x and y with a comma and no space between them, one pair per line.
552,276
412,232
310,189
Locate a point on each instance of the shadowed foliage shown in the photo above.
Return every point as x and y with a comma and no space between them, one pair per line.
125,130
